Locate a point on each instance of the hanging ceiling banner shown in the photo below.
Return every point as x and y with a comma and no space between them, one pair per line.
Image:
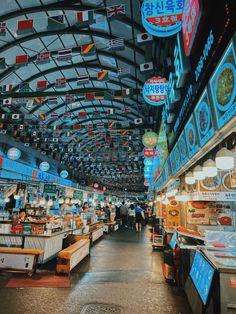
155,91
44,166
150,139
162,18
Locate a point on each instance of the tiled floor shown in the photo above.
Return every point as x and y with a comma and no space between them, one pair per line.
122,270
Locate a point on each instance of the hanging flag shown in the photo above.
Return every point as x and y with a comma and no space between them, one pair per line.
110,111
89,126
110,125
64,54
82,114
127,92
6,88
25,27
22,59
3,28
83,79
103,76
138,121
56,22
7,101
99,95
108,94
52,100
75,139
67,116
144,38
2,63
123,72
43,57
61,82
24,87
146,67
116,44
2,116
100,125
69,98
125,109
89,95
88,49
42,116
91,133
115,11
85,18
42,85
15,116
76,127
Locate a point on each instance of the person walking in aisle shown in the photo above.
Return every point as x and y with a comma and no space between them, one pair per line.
124,214
131,216
139,216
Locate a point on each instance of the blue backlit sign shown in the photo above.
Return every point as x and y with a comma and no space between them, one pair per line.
223,88
147,161
162,18
203,116
64,174
155,91
191,137
44,166
202,274
183,149
13,153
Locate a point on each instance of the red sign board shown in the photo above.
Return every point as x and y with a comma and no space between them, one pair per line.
190,19
149,152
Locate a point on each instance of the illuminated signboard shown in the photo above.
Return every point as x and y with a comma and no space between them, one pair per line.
155,91
202,275
64,174
147,175
44,166
203,116
162,18
147,169
147,161
191,137
174,94
146,182
175,159
149,152
150,139
183,149
190,19
223,88
13,153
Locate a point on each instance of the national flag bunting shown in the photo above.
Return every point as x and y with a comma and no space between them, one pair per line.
83,79
52,100
100,125
15,116
42,84
55,22
99,95
2,63
125,109
103,76
144,38
116,44
82,114
88,49
89,95
3,28
110,111
127,92
24,27
85,18
146,67
6,88
69,98
123,72
64,54
22,59
110,125
138,121
115,11
43,57
42,116
7,101
24,87
54,116
60,82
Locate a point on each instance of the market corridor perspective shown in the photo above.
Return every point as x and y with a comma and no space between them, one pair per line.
116,274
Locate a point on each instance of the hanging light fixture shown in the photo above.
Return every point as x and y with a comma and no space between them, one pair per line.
209,168
189,178
61,200
198,173
67,200
224,159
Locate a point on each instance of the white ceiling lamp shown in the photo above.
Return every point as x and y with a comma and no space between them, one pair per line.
61,200
198,173
224,159
209,168
189,178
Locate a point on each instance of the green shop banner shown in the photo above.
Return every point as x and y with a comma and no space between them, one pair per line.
78,194
50,189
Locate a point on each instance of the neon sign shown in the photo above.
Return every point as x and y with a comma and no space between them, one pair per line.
150,139
190,19
191,137
64,174
13,153
155,91
162,18
44,166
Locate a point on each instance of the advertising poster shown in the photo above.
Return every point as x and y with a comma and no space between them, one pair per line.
191,137
223,88
209,213
173,213
183,151
204,121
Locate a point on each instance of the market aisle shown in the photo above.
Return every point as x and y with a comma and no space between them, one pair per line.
122,270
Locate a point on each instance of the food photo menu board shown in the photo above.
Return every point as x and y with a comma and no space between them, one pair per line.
223,87
204,121
202,274
191,137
